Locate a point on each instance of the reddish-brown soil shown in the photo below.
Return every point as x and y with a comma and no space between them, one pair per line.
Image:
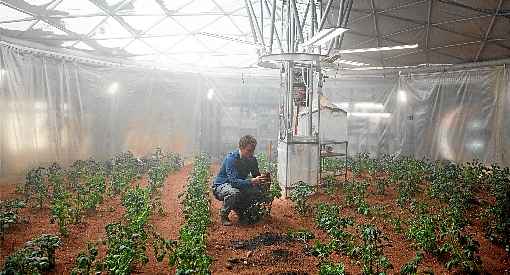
271,259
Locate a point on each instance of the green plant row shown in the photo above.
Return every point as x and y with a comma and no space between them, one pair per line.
127,241
190,255
366,250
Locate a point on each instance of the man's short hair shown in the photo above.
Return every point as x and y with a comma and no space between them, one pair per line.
247,140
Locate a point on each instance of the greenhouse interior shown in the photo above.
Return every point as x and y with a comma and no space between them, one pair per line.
254,137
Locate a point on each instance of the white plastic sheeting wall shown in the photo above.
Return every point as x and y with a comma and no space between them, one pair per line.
459,116
56,110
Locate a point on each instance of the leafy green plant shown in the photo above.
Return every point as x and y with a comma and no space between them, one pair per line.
323,250
330,184
9,214
299,196
124,170
397,224
275,190
497,220
332,164
190,254
125,248
303,235
459,249
61,211
36,256
161,246
328,268
411,267
35,185
327,218
86,262
422,230
138,208
372,256
355,196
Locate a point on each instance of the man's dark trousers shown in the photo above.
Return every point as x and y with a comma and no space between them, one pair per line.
237,199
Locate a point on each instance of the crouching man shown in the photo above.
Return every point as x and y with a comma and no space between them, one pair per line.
232,186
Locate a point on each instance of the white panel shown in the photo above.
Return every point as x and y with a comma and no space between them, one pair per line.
173,5
167,27
111,29
137,47
198,7
301,164
9,14
82,25
142,23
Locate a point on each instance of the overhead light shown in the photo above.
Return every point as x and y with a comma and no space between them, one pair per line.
210,94
112,89
378,49
402,96
324,36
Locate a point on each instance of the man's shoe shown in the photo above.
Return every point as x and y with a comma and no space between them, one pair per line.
224,218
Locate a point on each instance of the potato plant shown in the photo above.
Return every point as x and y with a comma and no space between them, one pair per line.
299,195
124,169
373,260
86,262
126,247
36,257
274,190
328,268
411,267
35,187
497,221
9,214
190,255
355,193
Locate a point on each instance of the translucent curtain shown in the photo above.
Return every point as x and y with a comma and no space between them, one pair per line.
460,115
55,110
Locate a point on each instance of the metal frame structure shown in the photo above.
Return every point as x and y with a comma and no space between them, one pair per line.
312,15
300,66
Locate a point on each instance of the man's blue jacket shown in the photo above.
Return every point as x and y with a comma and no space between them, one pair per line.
235,170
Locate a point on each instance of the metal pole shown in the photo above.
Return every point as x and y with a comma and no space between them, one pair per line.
262,19
256,23
319,93
310,99
296,19
325,15
251,21
273,27
271,33
305,16
338,24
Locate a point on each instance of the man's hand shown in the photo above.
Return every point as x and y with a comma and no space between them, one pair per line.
256,180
